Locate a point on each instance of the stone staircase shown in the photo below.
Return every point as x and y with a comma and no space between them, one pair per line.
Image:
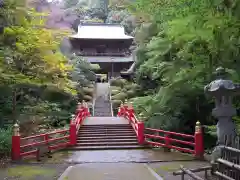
106,137
102,104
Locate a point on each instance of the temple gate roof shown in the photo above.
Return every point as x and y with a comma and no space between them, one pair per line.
100,31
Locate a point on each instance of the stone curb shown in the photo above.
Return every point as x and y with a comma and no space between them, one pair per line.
65,173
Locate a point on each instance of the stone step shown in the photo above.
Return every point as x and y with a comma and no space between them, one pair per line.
108,144
102,115
102,109
105,130
104,134
106,125
105,140
103,137
113,128
75,148
102,112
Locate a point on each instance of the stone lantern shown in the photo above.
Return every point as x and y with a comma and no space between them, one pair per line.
223,91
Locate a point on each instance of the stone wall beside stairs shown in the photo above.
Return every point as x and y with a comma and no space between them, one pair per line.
102,104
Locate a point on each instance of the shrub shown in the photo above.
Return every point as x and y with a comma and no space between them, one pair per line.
116,103
88,91
130,93
114,92
130,86
120,96
90,85
87,98
5,141
115,88
118,82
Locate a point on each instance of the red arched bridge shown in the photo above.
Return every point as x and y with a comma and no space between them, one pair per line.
125,131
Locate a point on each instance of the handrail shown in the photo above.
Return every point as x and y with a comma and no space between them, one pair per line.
138,127
148,135
169,132
68,137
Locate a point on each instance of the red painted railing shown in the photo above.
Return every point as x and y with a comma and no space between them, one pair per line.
152,136
138,126
25,146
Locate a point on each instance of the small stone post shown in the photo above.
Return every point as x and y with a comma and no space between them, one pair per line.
16,143
223,91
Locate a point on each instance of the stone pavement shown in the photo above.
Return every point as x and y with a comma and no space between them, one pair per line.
110,171
105,164
116,156
131,171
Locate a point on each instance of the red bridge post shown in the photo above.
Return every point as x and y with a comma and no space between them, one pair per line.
199,146
141,138
73,131
16,143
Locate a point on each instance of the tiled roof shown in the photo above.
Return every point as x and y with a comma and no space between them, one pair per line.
101,31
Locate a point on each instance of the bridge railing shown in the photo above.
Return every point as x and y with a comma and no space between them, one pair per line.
127,112
166,139
30,145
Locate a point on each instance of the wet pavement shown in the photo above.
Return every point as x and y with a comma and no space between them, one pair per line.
104,165
142,155
131,171
110,171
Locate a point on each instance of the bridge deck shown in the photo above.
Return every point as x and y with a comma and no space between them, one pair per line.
104,120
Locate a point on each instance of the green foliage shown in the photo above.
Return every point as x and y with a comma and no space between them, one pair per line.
34,75
118,82
5,141
116,103
120,96
87,98
179,45
88,91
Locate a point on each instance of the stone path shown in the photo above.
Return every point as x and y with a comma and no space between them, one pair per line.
131,171
105,164
102,104
109,171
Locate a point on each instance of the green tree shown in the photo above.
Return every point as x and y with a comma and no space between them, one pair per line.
179,45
